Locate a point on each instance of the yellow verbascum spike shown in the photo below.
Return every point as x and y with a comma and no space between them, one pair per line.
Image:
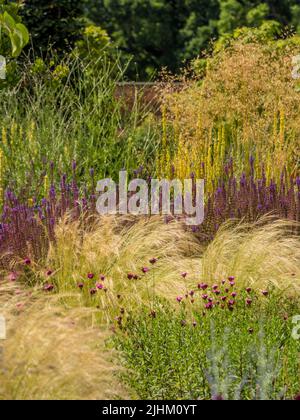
4,136
46,185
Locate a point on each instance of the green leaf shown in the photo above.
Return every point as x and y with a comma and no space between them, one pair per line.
9,21
15,43
24,32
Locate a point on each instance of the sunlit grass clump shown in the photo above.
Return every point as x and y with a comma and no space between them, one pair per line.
52,352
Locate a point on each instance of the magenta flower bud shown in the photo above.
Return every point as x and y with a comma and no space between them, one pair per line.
80,285
184,275
223,298
209,306
153,261
12,276
27,261
210,300
223,282
179,299
234,294
145,270
231,278
231,303
93,291
265,293
217,292
102,277
48,287
90,276
202,286
205,297
232,283
49,273
130,276
99,286
226,290
248,302
194,324
192,293
215,287
248,290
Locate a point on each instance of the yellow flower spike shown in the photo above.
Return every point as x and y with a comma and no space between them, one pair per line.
30,202
4,136
282,128
46,185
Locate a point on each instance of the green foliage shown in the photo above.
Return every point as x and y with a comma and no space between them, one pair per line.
246,354
159,33
66,110
57,23
296,16
11,27
93,43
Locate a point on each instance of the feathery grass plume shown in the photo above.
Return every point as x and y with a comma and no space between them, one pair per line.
258,254
52,352
119,248
248,106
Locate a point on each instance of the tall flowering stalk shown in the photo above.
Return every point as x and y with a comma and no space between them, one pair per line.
28,224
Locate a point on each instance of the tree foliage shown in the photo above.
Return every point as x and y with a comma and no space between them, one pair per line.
161,33
53,22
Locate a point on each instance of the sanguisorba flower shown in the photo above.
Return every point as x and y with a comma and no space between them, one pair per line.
99,286
202,286
179,299
102,277
248,302
265,293
145,270
234,294
209,306
90,276
48,287
248,290
27,261
12,276
184,275
80,285
205,297
130,276
93,291
153,261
